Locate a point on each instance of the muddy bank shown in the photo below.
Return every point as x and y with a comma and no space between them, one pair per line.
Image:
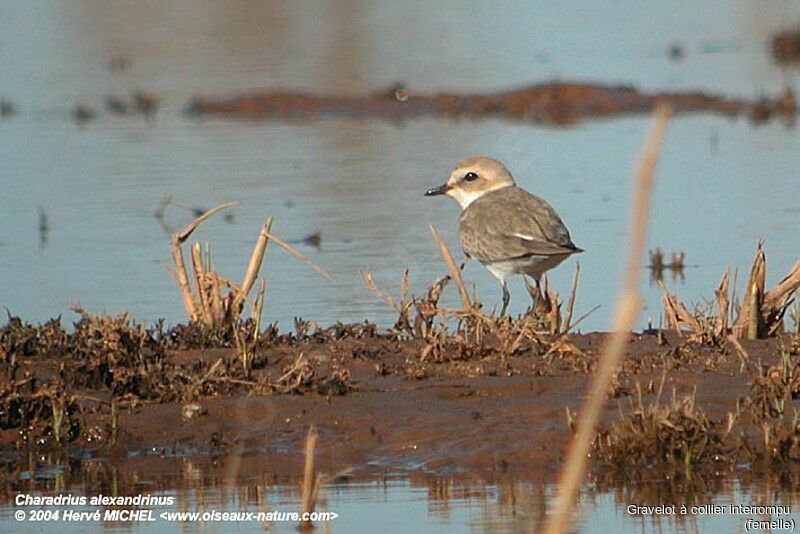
554,102
385,404
786,46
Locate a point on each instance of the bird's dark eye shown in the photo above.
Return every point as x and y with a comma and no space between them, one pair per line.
470,177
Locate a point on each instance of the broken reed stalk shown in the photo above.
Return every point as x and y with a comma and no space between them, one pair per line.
246,351
721,293
201,284
255,258
180,266
258,305
571,302
784,289
455,273
760,314
285,246
575,465
309,489
183,280
676,313
747,324
211,307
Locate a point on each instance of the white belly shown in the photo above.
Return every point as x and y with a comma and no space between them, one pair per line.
533,266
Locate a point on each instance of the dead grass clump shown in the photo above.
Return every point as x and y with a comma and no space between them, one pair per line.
341,331
773,388
760,313
199,336
772,434
212,299
455,334
44,415
298,377
402,328
104,336
122,356
676,436
477,334
303,376
19,339
777,444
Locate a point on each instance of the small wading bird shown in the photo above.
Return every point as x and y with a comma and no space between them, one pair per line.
507,229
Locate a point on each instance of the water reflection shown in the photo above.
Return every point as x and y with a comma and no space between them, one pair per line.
391,502
659,264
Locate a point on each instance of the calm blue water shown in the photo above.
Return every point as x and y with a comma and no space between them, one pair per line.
360,182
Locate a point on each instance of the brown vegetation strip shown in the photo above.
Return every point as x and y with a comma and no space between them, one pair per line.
553,102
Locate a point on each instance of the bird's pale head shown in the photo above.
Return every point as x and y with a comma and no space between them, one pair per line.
473,177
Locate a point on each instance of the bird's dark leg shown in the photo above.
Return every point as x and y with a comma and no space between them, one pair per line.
506,300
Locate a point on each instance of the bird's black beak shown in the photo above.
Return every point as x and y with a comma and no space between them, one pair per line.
441,190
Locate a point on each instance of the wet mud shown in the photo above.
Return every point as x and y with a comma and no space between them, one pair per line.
553,102
113,394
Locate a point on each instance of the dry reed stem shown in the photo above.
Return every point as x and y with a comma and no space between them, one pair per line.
256,258
309,478
790,283
778,298
581,319
211,371
201,285
677,313
372,287
670,311
721,326
258,306
746,325
217,308
751,326
285,246
180,266
575,465
455,273
759,314
555,312
183,281
571,301
187,230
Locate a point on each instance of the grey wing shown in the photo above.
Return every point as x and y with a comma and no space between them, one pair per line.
540,225
527,226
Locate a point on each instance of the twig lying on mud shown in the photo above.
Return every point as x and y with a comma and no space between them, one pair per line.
211,371
574,467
